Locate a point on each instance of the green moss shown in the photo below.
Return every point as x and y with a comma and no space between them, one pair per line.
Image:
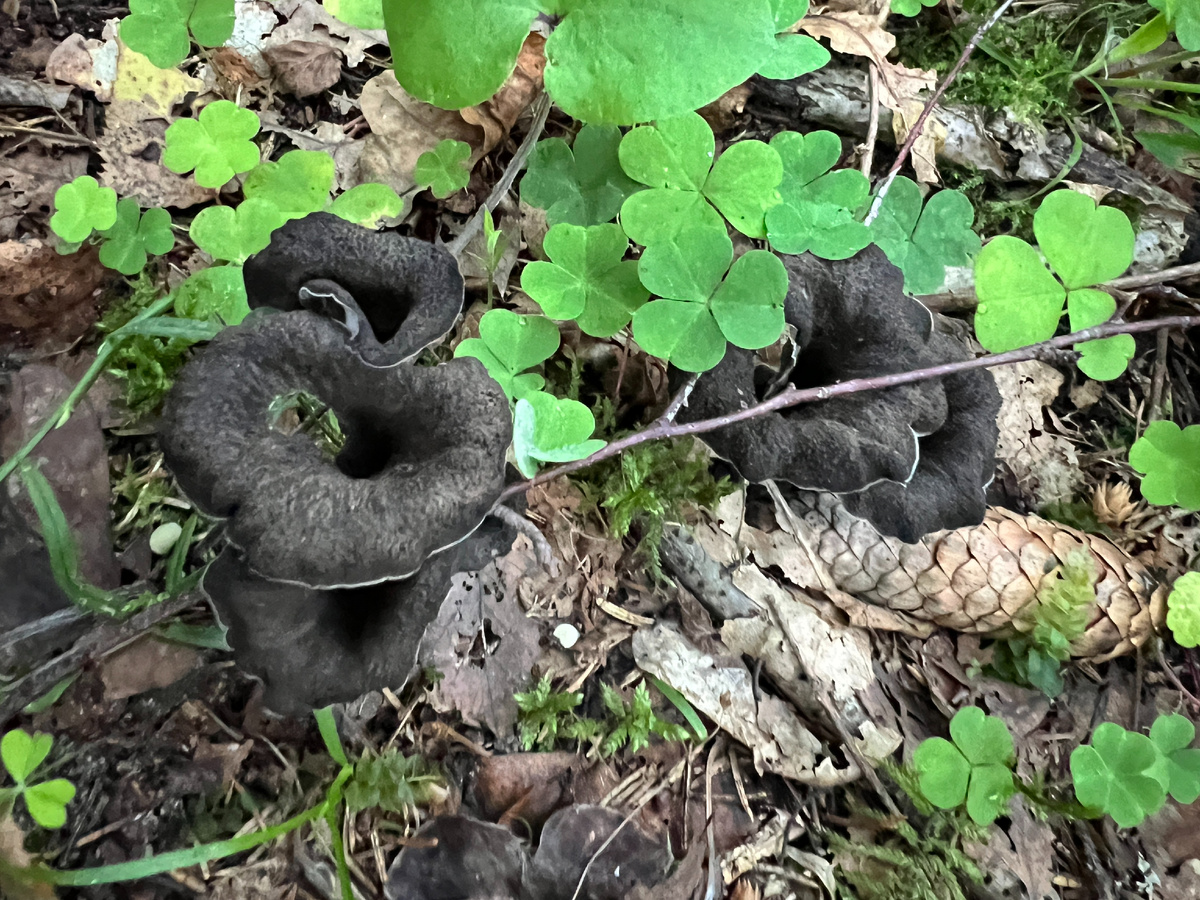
648,486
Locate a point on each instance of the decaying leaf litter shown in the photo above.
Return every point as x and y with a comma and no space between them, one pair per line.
620,602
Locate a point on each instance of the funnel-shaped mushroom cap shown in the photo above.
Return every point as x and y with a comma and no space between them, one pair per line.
409,291
852,321
316,647
422,464
956,464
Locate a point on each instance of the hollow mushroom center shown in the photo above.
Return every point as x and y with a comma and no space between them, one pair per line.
385,308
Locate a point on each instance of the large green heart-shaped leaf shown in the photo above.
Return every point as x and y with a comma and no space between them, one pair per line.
508,344
297,184
1107,358
686,268
134,235
81,206
1169,459
674,153
549,429
22,752
660,214
743,185
235,233
1121,773
582,184
686,334
748,304
216,144
218,291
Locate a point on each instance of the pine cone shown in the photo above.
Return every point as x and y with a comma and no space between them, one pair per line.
981,579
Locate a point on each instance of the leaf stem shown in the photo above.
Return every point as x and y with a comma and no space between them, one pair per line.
919,126
792,396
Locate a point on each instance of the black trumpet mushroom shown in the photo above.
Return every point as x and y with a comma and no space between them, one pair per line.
911,458
336,564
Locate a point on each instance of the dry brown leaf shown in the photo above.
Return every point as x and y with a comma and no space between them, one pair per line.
147,663
723,690
484,645
28,181
1023,852
88,64
402,128
307,20
304,68
851,32
235,69
132,155
497,115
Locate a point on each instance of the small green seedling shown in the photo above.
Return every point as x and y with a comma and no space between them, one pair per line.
1183,610
160,28
46,801
508,345
911,8
923,242
549,429
582,184
367,204
545,715
702,306
619,62
81,207
236,233
818,209
359,13
217,144
1121,773
1168,457
444,169
675,159
218,292
588,279
633,723
134,235
1173,736
394,782
1021,301
975,768
296,184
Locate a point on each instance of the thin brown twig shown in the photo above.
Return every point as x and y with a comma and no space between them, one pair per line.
541,109
868,157
966,299
919,125
793,396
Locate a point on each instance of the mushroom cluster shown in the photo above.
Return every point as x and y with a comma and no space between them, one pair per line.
335,564
911,458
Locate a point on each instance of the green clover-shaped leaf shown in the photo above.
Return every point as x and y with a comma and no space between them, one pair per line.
586,279
547,429
359,13
911,8
581,184
661,214
1183,610
134,235
47,802
1121,773
699,311
159,28
367,204
236,233
1020,301
1173,735
22,753
794,54
217,144
297,184
1106,358
81,206
677,155
1169,460
444,169
1083,243
922,243
1184,17
817,212
216,292
508,344
943,773
976,768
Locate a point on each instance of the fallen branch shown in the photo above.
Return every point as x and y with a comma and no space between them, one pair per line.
664,428
919,125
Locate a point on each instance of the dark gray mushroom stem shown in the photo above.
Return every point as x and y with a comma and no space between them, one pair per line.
406,291
422,463
913,458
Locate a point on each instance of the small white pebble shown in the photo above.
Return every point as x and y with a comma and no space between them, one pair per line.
567,635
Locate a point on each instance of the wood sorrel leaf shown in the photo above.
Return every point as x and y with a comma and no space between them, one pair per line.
1168,458
297,184
1083,243
445,168
216,144
582,184
1107,358
586,278
549,429
1020,301
134,235
81,206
